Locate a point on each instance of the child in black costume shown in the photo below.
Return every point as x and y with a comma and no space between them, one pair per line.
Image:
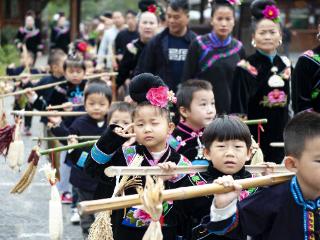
151,127
286,211
98,97
227,142
196,106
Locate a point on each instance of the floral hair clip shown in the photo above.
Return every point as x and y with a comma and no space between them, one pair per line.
272,12
235,2
154,9
161,97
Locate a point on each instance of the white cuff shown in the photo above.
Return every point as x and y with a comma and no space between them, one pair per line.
220,214
33,98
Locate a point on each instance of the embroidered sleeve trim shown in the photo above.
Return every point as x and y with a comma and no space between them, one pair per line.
99,156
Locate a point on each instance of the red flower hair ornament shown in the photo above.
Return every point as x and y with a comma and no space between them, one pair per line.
160,97
272,12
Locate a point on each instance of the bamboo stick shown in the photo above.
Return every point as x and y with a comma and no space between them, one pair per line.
110,74
48,114
153,171
24,91
65,148
263,168
256,121
65,138
277,144
88,207
24,75
55,107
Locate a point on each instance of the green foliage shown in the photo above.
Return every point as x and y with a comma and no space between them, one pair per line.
90,8
8,34
8,54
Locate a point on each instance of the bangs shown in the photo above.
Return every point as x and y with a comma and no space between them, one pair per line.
225,128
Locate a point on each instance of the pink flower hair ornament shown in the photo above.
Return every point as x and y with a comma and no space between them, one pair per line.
272,12
160,96
235,2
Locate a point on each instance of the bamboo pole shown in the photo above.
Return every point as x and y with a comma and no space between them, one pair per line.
24,91
65,148
277,144
88,207
110,74
256,121
153,171
263,168
65,138
55,107
24,75
48,114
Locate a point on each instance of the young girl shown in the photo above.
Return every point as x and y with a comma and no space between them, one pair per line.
195,102
227,142
261,87
151,127
214,56
98,97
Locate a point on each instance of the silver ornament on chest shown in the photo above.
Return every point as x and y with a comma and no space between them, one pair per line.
275,81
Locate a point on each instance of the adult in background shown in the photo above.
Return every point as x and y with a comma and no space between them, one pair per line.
306,80
261,87
127,35
108,38
214,56
60,33
30,36
147,27
165,54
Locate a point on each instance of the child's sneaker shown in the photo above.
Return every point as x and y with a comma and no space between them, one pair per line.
75,218
66,198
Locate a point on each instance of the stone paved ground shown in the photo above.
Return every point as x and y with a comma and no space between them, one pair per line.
25,216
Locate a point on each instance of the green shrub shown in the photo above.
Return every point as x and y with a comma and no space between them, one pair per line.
8,54
8,34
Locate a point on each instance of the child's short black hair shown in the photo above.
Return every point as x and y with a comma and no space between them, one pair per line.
55,57
225,128
100,88
188,88
74,62
176,5
304,126
121,107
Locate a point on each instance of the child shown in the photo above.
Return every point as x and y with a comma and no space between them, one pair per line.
97,101
55,61
21,102
26,61
120,113
72,91
152,127
227,142
196,106
268,213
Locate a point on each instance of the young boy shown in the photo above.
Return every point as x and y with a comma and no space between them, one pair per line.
269,213
196,106
227,142
98,97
